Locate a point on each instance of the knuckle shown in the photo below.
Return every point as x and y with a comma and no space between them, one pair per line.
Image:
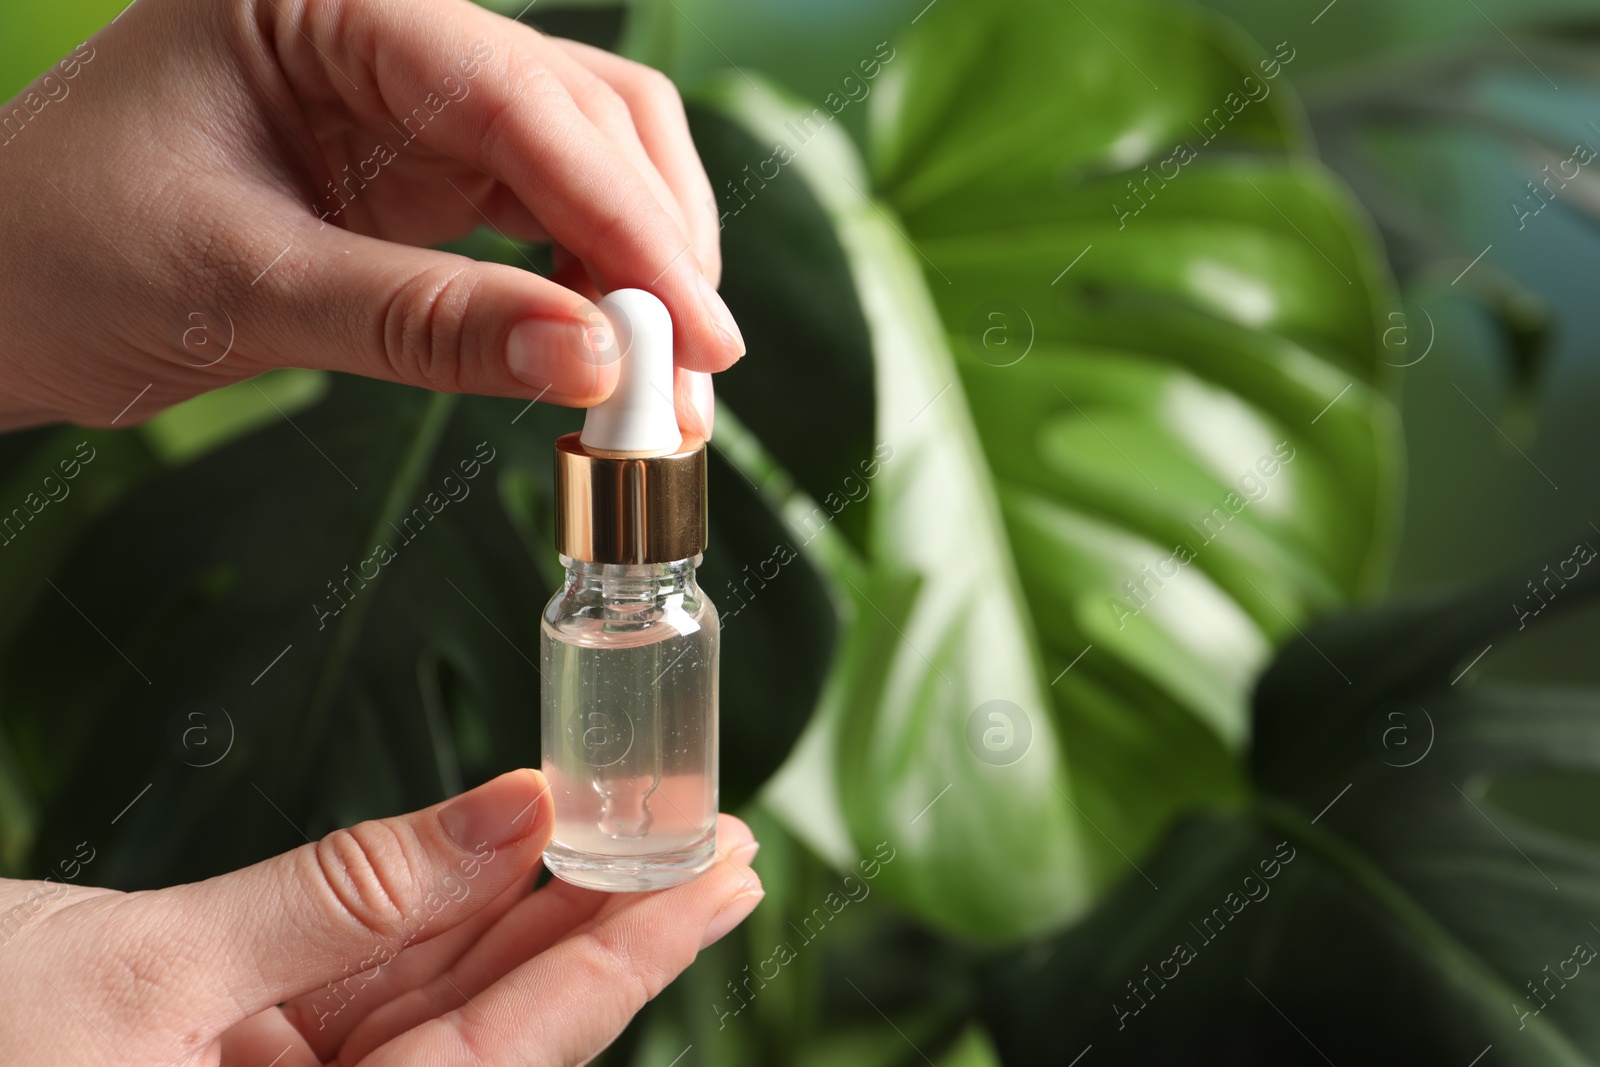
369,875
632,219
424,327
538,79
603,104
658,88
459,1039
531,88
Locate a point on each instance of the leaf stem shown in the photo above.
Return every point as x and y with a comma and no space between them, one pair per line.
1456,964
347,631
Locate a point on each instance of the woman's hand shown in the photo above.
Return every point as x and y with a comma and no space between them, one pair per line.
409,941
211,188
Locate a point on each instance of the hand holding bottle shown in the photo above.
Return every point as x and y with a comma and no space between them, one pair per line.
261,171
407,941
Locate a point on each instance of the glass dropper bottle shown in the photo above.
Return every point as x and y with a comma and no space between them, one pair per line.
628,644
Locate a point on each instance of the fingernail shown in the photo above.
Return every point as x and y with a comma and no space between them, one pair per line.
732,914
699,401
558,355
720,313
745,853
498,812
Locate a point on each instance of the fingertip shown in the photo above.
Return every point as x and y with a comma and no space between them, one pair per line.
733,830
562,358
542,813
729,342
710,257
733,882
540,784
738,845
506,810
734,912
696,403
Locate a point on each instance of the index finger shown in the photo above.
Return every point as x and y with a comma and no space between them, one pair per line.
571,1001
517,121
664,129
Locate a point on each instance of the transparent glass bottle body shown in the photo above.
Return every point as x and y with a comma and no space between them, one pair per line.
629,724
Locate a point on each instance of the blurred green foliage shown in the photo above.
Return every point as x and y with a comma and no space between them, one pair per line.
979,170
1125,405
34,36
1432,899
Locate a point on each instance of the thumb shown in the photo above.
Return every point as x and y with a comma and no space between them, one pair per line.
340,907
342,301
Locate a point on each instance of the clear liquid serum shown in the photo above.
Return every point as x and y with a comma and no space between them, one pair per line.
628,644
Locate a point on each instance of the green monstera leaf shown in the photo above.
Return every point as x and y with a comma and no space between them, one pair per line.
1057,472
1423,835
1135,430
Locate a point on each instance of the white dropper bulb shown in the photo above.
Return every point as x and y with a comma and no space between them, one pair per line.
639,415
